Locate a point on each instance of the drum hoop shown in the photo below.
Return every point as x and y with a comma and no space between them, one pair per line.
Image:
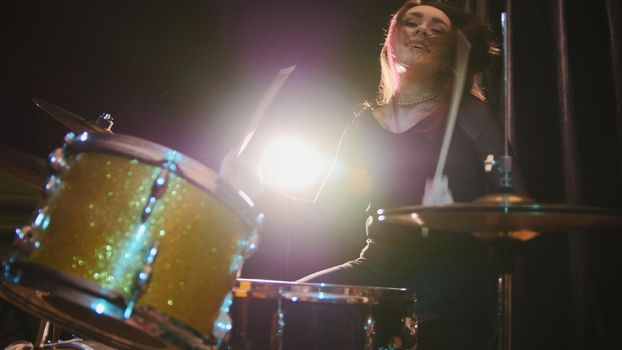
320,292
159,325
157,155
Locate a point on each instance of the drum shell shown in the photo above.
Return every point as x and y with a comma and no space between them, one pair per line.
319,324
93,239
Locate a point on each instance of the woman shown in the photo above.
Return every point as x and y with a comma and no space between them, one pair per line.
390,151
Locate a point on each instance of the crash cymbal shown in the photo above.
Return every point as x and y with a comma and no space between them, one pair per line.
27,167
501,216
73,121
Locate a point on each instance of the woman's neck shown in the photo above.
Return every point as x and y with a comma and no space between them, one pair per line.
415,89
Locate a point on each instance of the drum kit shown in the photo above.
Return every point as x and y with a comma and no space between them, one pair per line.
138,246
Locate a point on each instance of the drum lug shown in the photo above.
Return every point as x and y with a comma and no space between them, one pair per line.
69,137
157,191
25,240
252,242
143,277
370,332
52,184
249,245
42,219
224,323
246,247
56,160
160,184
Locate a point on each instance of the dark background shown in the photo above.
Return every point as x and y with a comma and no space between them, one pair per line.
188,75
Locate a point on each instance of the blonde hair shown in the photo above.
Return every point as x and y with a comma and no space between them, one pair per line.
479,35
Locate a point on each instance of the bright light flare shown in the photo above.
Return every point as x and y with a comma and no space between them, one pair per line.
291,165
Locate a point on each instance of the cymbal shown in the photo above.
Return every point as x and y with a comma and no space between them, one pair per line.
71,120
503,216
27,167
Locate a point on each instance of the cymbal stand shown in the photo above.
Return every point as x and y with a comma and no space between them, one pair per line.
504,250
47,333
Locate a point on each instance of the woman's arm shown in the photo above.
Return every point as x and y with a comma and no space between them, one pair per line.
481,125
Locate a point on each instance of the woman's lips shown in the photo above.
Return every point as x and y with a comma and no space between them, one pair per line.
417,45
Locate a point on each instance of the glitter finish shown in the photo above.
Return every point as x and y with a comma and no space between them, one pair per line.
95,232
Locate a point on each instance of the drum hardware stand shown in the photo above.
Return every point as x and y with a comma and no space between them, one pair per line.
370,331
503,249
276,338
46,329
503,252
106,121
48,336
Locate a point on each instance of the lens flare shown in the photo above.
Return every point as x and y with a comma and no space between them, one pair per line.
290,164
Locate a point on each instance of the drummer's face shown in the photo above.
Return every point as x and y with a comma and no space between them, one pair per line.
417,41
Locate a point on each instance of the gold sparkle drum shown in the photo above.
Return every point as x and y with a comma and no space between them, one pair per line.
271,315
134,245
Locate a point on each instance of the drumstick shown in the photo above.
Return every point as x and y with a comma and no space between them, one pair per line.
265,101
463,47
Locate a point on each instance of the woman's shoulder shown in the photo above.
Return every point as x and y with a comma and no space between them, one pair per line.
475,109
475,116
365,109
364,114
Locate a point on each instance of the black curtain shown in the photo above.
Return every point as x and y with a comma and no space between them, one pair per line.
567,124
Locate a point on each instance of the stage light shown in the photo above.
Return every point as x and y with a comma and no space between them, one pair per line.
290,165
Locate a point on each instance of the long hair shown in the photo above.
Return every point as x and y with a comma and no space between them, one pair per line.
479,35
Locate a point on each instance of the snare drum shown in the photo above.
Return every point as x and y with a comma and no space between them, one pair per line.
288,315
134,244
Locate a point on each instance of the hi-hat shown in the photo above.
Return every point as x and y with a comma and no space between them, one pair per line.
24,166
502,216
71,120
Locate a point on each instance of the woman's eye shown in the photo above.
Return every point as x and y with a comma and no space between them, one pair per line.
410,24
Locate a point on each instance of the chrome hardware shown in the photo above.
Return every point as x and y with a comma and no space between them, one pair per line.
250,245
20,345
143,277
52,184
504,167
252,241
224,323
42,219
25,240
276,338
70,136
410,328
489,163
105,120
160,184
151,202
157,191
56,160
236,264
246,247
370,332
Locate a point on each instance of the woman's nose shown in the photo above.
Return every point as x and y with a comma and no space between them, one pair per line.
422,30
